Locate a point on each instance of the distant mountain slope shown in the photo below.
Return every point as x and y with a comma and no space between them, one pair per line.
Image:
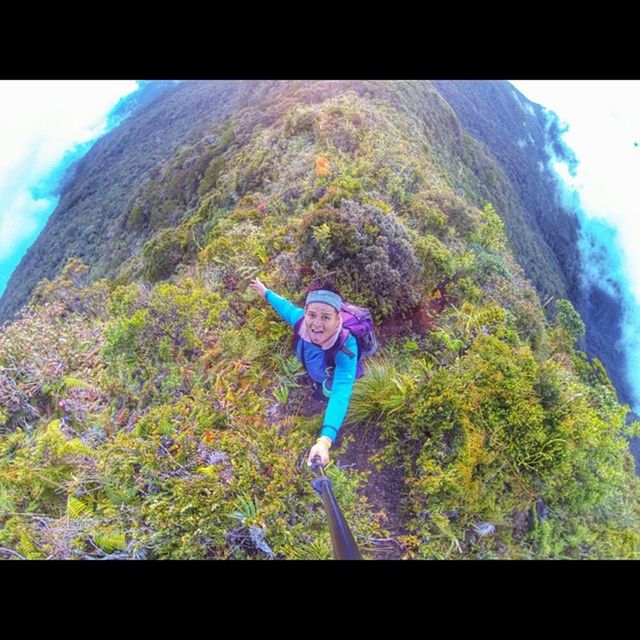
105,179
517,133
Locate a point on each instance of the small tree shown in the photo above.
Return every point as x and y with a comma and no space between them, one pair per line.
568,318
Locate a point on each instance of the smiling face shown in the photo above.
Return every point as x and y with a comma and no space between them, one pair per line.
321,320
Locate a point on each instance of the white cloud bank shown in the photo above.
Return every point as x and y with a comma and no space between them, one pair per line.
42,124
603,119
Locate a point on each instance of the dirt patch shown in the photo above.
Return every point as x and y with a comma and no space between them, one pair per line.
384,489
421,320
521,523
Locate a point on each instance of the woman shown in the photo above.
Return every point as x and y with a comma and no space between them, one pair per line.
319,331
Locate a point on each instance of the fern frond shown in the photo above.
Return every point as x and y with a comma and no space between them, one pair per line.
28,548
120,495
77,508
74,383
110,542
55,438
78,447
53,429
319,549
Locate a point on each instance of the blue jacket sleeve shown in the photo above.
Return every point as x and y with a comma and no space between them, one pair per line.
284,308
343,379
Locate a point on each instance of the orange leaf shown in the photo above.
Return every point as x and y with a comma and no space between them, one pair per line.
322,166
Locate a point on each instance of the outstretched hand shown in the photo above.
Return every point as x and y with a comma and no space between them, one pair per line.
257,287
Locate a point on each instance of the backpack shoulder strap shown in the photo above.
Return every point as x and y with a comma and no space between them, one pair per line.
296,330
339,346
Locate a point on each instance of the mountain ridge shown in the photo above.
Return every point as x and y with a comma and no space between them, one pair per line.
158,412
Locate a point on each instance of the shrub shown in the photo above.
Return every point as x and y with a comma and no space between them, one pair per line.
437,260
211,175
160,325
322,166
439,210
490,235
568,319
49,347
136,220
163,253
71,292
370,251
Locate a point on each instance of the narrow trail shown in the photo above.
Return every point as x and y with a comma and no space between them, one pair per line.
384,489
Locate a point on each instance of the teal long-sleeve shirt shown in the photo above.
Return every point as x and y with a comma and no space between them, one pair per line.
314,357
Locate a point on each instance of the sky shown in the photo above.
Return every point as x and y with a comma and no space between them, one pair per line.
602,118
44,125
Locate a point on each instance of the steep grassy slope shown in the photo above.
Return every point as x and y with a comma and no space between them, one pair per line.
97,218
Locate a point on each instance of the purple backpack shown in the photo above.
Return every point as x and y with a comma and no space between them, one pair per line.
359,322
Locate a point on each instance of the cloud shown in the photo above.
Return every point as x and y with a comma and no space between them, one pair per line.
43,125
603,128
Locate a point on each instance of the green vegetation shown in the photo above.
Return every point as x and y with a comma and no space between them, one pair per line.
157,414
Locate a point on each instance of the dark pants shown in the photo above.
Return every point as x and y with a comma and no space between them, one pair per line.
317,390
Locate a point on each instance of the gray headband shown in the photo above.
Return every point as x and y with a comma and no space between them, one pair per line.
328,297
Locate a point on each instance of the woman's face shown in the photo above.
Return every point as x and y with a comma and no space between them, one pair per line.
321,320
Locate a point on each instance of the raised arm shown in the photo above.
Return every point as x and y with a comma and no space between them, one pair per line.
285,309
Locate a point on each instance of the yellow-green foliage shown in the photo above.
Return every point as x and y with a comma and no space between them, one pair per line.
499,433
27,547
77,508
211,175
439,212
74,383
382,392
110,541
569,320
49,351
190,513
72,292
35,470
140,420
427,216
152,335
243,243
491,234
135,219
439,263
319,549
